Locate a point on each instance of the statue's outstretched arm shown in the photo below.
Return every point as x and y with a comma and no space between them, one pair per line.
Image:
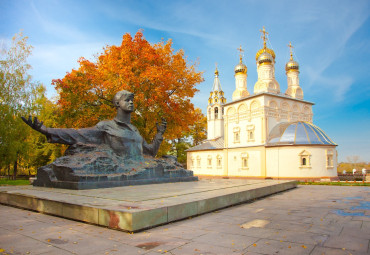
36,125
153,148
66,135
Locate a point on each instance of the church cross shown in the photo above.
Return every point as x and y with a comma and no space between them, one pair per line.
263,31
291,50
241,53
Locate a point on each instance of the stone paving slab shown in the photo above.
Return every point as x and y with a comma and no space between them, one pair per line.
258,227
134,208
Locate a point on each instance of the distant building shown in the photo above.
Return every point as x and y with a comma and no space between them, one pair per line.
267,134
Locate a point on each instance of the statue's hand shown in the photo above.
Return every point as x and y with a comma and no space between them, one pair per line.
162,127
35,124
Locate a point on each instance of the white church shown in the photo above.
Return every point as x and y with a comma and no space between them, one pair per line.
267,134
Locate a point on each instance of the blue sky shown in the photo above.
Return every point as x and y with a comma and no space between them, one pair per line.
331,43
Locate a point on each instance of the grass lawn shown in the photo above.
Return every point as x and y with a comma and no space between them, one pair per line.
14,182
358,183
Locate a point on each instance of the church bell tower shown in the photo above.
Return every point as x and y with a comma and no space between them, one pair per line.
215,110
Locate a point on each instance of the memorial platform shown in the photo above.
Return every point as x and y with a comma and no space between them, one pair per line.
135,208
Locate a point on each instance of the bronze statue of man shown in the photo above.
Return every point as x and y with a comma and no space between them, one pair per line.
110,154
118,134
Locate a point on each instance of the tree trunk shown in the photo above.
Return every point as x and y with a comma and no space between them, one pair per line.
8,168
15,169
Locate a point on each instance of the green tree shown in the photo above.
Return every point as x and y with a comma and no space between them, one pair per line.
17,92
42,152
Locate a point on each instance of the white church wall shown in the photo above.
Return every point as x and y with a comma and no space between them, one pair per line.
287,162
245,162
244,123
280,109
209,162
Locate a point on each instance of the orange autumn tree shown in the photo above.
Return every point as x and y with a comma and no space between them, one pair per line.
162,80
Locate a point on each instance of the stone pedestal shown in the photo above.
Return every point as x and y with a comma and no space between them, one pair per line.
91,167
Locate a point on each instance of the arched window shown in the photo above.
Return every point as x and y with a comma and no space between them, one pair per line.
250,132
244,157
216,113
305,159
209,161
251,135
219,161
236,134
329,159
304,162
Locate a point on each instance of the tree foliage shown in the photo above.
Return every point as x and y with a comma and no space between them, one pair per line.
198,130
349,166
194,136
15,100
41,152
19,96
162,80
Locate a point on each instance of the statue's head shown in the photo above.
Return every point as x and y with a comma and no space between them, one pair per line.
124,99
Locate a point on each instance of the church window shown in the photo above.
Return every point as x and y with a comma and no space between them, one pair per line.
198,161
216,113
244,158
209,113
236,134
219,161
209,161
305,160
216,100
245,163
329,159
236,137
251,135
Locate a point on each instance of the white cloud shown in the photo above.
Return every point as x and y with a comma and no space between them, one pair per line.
334,33
57,29
336,86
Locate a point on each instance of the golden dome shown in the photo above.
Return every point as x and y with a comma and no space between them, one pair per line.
291,65
265,50
240,68
265,58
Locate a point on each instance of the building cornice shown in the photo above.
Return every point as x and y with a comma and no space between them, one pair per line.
268,94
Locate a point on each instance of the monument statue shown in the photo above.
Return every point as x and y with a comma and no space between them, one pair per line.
112,153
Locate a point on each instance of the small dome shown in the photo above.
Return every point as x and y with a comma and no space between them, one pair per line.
292,65
241,68
298,133
265,57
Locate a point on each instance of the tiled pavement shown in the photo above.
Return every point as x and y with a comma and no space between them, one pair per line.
305,220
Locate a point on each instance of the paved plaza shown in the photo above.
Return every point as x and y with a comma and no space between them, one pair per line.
304,220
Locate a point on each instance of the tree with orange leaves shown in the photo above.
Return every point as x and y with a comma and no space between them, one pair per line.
162,80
